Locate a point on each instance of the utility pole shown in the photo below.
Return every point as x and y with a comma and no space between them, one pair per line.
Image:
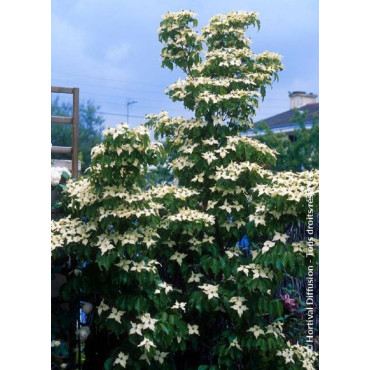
128,106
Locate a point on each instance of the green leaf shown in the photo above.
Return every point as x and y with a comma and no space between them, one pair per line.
108,364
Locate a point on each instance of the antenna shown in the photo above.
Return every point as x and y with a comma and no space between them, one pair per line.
128,106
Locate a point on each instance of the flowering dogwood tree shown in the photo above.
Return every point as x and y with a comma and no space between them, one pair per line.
172,284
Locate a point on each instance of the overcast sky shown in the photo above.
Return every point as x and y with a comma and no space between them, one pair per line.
110,50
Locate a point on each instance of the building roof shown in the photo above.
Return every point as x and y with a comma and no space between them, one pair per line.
283,119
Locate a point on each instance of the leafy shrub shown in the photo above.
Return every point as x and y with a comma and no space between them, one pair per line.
186,276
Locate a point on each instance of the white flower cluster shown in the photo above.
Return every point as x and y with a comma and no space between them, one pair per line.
176,16
256,330
178,257
160,356
195,242
236,94
238,306
138,267
233,224
195,278
209,156
177,191
115,132
200,81
303,247
267,245
97,150
190,215
245,71
130,140
228,57
234,17
296,186
179,40
69,230
148,237
141,131
56,174
303,353
280,237
179,306
210,290
258,219
268,55
180,163
123,129
116,315
147,322
233,170
275,328
188,146
167,288
124,211
128,196
102,307
260,213
235,344
257,270
233,252
193,329
182,88
175,126
225,191
81,193
147,344
121,360
255,144
228,207
106,242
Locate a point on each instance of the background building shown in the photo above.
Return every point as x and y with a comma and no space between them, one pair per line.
282,123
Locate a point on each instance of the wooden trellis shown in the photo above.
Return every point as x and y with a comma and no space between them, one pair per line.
74,120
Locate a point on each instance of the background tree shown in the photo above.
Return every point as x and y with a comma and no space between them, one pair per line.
159,175
90,128
299,154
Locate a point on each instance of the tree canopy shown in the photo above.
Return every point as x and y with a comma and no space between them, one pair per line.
187,275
